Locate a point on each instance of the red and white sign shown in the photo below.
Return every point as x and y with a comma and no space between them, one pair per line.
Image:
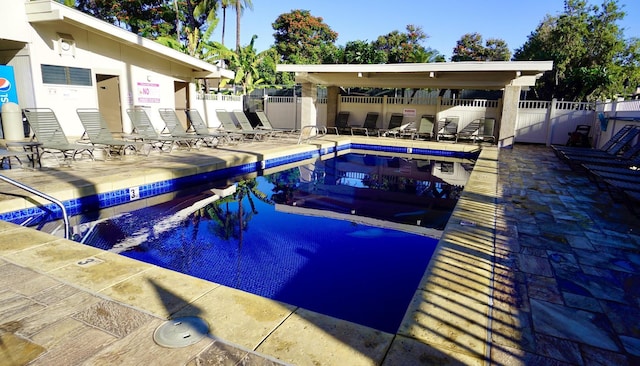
148,93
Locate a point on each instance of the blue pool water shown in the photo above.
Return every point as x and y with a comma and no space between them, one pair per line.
307,236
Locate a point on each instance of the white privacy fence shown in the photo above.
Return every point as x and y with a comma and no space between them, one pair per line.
542,122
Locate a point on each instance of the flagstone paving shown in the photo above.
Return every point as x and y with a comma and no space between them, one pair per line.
572,269
564,261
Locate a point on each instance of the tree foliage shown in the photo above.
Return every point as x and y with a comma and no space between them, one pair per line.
299,37
591,58
250,66
150,18
401,47
470,47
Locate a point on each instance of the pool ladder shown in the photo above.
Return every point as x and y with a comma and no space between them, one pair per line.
65,217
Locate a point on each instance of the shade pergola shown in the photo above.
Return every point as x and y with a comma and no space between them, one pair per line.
509,76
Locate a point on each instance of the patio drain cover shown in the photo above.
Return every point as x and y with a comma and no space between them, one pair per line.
181,332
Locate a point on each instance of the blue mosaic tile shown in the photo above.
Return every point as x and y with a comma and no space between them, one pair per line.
121,196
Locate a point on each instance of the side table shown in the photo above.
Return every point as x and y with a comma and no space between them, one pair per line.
31,147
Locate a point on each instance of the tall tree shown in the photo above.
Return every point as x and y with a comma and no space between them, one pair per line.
400,47
470,48
240,5
299,37
361,52
591,58
249,65
150,18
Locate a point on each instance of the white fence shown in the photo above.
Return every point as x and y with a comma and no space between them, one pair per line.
542,122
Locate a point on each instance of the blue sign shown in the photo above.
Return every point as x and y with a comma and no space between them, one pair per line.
8,91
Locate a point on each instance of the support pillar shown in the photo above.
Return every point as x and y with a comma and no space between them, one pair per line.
507,128
332,105
308,111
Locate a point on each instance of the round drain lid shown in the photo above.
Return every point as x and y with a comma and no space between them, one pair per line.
181,332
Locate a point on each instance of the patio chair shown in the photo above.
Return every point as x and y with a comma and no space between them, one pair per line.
229,126
631,157
487,130
98,134
266,125
559,149
469,131
246,126
425,128
49,132
614,149
395,127
144,131
200,127
342,123
579,137
174,128
447,128
369,125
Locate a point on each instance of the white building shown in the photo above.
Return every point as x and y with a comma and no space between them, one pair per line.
64,59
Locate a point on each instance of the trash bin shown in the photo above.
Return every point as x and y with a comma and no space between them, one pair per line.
12,126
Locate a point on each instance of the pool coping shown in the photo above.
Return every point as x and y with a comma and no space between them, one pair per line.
449,316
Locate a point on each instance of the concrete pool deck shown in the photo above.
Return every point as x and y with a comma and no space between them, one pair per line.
536,266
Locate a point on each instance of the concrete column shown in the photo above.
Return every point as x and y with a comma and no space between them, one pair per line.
332,105
308,111
507,127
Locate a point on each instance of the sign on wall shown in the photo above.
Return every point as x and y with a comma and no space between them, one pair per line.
148,93
8,91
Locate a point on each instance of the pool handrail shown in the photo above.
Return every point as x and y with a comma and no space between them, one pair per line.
65,216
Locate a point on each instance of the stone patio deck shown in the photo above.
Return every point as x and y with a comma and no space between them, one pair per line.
536,266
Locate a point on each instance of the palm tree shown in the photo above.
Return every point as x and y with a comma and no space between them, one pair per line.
224,4
239,9
246,65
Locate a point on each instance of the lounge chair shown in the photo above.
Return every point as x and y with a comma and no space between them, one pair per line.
425,128
631,157
49,132
144,131
174,128
447,128
98,134
369,125
395,128
200,127
266,125
619,189
245,126
469,131
487,130
229,126
342,123
614,149
559,149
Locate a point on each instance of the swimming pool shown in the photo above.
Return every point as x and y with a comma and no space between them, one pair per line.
315,236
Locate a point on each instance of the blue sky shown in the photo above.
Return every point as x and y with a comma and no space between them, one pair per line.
443,21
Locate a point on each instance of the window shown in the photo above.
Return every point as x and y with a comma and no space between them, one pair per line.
65,75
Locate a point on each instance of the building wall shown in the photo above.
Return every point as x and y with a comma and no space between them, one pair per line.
144,79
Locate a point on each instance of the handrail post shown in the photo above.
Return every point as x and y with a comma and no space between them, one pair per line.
65,217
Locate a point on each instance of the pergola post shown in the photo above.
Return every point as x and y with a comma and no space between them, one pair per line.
332,105
308,111
507,127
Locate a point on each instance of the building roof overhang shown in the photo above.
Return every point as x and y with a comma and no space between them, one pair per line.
484,75
51,11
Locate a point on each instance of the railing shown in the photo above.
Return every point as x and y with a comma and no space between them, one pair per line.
65,217
309,132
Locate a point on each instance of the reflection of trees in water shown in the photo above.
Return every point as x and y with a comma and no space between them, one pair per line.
285,184
230,224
